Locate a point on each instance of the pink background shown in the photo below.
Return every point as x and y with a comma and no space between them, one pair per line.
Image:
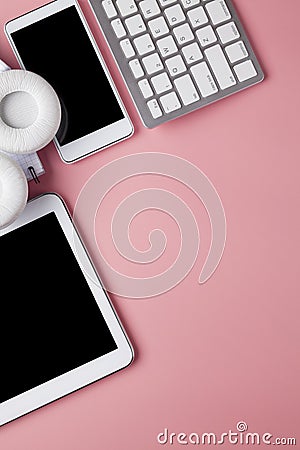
206,356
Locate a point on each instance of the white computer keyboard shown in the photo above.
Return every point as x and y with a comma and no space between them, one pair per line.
177,55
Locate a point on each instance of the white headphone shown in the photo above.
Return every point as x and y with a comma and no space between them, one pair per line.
13,190
30,116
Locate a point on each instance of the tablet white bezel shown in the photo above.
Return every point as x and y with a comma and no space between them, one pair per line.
102,138
94,370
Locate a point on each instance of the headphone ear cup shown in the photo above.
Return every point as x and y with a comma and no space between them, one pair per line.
30,112
13,190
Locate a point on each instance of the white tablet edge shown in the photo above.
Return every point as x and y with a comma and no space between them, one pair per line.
89,372
102,138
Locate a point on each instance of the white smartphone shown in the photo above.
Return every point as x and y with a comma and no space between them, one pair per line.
55,42
61,332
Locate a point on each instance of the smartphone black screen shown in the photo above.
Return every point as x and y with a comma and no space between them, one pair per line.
59,49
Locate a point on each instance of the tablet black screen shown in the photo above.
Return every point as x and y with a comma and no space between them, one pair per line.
50,322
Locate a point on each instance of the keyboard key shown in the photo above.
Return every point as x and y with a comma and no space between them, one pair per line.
236,52
220,66
175,65
109,8
228,32
204,79
189,3
145,88
161,83
166,2
245,70
152,63
158,27
167,46
136,68
218,11
175,15
206,36
126,7
149,8
135,25
118,28
127,48
170,102
197,17
186,89
144,44
192,53
154,108
183,34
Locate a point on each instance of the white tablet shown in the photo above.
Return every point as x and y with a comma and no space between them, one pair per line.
55,42
59,331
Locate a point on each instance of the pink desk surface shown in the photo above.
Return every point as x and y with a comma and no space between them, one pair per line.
211,355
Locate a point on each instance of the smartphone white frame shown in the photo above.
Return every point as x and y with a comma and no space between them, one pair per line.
102,138
94,370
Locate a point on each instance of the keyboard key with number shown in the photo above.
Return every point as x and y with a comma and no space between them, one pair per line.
158,27
136,68
228,32
118,28
206,36
197,17
135,25
245,70
175,15
218,11
170,102
126,7
220,66
152,63
175,65
161,83
192,53
144,44
154,108
127,48
183,34
149,8
109,8
145,88
204,79
236,52
167,46
186,89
